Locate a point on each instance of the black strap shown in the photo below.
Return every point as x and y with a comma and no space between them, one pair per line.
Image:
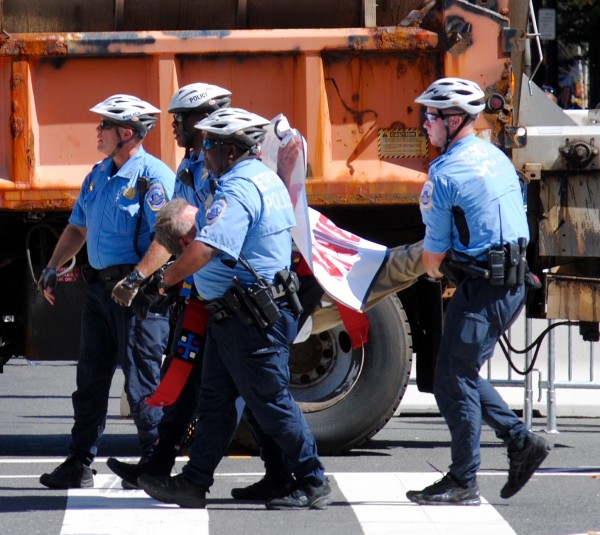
247,265
143,183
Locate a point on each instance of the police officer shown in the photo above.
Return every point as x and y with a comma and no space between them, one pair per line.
473,213
189,104
114,215
246,241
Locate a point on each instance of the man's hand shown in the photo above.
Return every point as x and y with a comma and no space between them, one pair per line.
126,289
47,283
153,295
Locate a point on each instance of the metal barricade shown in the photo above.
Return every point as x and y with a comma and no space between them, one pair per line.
568,362
565,363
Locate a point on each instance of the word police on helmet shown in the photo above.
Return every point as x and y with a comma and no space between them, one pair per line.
127,110
199,97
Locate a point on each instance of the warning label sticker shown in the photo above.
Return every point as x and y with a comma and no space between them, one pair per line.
402,143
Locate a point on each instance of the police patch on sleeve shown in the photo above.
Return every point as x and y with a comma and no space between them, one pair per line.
156,197
426,199
215,210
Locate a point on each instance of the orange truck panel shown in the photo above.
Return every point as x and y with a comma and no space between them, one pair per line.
340,87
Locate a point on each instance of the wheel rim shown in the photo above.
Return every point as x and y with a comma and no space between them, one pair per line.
324,369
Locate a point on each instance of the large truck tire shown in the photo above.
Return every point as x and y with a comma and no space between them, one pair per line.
347,395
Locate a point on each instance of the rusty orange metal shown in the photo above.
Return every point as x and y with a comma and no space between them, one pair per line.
338,86
350,91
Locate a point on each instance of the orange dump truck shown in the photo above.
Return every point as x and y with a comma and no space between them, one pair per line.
345,73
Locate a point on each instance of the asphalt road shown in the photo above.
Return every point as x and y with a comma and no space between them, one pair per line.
563,498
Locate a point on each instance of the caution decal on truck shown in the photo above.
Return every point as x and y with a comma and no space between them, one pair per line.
402,143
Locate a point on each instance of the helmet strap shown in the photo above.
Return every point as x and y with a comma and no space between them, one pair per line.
243,156
188,140
451,136
121,142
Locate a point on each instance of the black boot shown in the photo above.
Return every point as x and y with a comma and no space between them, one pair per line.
71,474
447,491
266,489
177,489
524,462
129,472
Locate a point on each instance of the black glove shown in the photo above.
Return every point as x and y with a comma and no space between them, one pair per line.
148,297
47,279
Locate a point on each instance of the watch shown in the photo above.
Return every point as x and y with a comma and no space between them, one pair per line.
135,278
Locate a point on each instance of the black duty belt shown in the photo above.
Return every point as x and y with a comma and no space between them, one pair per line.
111,273
218,309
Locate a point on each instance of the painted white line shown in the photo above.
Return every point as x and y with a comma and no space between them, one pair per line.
380,504
108,509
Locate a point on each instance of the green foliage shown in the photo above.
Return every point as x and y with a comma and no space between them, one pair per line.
578,20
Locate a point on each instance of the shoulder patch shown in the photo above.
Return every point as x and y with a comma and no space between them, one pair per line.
215,210
156,197
426,199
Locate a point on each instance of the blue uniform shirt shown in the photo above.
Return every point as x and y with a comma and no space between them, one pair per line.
252,214
108,207
198,194
479,180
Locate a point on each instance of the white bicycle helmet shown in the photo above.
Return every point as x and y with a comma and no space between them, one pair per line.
129,111
453,93
199,97
236,125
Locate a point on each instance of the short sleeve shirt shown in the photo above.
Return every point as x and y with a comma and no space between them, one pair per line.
251,214
108,206
476,182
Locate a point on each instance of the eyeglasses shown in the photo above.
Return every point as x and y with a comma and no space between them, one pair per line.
431,117
178,117
208,143
107,125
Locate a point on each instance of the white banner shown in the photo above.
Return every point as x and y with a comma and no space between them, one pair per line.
344,264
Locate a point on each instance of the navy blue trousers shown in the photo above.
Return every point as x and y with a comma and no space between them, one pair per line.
111,335
241,360
475,318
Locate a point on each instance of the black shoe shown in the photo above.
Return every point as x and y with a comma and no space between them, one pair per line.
177,489
446,491
523,463
304,496
71,474
264,490
129,473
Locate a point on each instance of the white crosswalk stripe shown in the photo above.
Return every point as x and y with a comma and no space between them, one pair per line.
377,499
380,504
107,509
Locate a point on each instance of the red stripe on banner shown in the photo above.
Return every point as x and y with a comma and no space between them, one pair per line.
196,317
171,384
195,320
356,323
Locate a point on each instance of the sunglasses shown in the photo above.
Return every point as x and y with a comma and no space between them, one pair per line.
107,125
208,143
431,117
178,118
